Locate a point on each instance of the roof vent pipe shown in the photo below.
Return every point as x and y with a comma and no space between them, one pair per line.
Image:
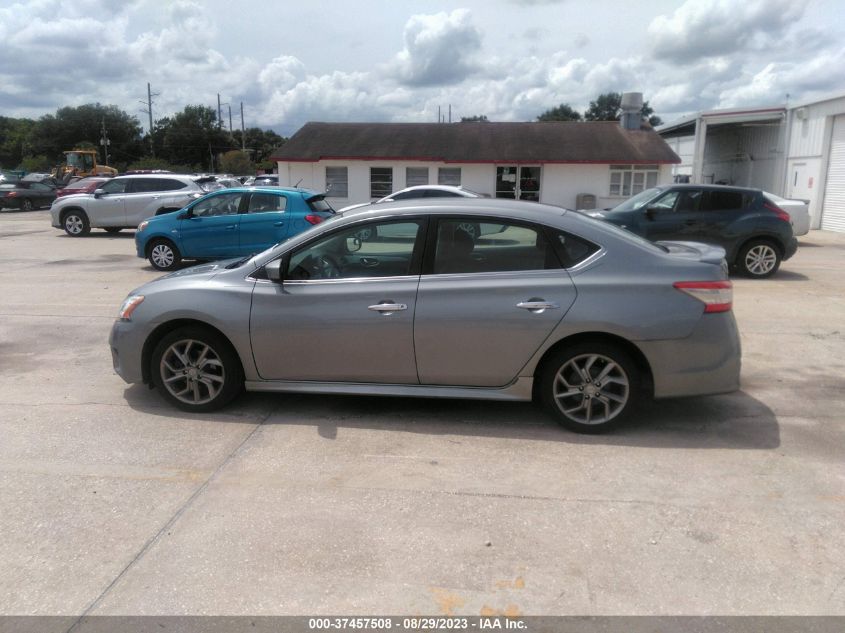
632,107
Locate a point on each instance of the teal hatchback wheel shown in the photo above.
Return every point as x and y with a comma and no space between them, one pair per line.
163,255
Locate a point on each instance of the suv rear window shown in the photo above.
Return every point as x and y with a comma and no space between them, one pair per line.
724,201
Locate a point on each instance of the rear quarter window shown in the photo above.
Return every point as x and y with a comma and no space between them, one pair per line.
725,201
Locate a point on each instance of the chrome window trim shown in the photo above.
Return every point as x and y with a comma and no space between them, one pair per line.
586,262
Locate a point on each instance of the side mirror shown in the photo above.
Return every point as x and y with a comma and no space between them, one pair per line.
274,270
99,192
651,212
184,215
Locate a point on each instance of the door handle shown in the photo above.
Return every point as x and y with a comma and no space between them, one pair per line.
369,262
386,309
278,223
231,227
537,306
691,222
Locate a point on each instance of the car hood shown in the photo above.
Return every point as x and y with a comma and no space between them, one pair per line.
192,275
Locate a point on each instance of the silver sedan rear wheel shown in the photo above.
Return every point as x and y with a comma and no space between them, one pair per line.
590,387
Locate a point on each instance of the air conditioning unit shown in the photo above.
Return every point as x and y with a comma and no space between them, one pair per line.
585,201
801,113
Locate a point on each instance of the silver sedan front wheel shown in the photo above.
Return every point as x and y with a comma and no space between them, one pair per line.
196,369
76,223
192,372
590,387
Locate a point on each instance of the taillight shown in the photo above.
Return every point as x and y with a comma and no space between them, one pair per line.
717,296
783,215
313,219
12,194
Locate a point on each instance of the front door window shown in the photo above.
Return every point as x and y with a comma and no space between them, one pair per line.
518,182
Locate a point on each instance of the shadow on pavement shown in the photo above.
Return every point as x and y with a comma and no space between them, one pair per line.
735,420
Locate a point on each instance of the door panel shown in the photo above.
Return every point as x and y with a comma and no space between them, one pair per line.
327,331
265,223
212,237
470,331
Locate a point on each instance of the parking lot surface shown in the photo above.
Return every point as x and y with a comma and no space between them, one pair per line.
112,502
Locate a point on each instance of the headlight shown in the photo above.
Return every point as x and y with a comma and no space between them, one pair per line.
143,225
129,304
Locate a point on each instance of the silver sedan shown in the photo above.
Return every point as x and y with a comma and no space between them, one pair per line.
455,298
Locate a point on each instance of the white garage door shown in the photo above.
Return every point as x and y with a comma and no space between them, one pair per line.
833,211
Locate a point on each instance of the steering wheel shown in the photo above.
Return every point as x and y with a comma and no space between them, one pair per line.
327,267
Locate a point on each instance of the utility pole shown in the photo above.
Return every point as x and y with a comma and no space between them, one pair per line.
243,130
450,113
149,111
104,140
230,117
219,113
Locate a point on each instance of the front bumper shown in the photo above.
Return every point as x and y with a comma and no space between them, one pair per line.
706,362
127,344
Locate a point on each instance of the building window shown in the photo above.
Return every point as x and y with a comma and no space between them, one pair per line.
381,181
629,180
449,176
337,182
416,176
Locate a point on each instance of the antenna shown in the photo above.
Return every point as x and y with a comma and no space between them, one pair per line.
297,183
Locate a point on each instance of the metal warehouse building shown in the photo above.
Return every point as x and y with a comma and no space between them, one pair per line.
795,152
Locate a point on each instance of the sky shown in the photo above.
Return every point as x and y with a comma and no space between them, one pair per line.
400,60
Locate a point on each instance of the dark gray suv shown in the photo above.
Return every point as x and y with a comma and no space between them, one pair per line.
755,233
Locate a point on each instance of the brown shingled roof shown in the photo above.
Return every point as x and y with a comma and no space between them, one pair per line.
540,142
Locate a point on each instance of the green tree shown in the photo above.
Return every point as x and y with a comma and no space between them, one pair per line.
191,137
70,126
260,145
608,107
478,118
564,112
14,141
236,162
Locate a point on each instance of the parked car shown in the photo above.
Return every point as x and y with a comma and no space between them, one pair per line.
27,195
755,232
229,223
82,185
798,210
421,191
588,317
264,180
124,201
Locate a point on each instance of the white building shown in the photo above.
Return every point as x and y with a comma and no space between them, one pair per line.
795,152
570,164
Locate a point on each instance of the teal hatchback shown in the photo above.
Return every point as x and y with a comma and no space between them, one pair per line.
229,223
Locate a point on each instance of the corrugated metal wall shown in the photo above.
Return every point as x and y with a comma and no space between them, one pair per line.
833,210
807,137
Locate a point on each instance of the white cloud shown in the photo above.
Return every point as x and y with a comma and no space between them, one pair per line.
439,49
705,28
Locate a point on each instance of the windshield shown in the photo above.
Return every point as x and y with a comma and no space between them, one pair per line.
638,201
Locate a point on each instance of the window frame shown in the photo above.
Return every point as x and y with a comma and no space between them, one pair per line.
345,181
417,254
408,182
441,170
629,174
377,196
434,230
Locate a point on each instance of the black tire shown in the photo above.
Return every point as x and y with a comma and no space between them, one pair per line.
113,229
76,223
26,205
596,400
163,255
759,259
211,378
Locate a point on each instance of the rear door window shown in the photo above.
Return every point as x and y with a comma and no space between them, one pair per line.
724,201
469,246
263,202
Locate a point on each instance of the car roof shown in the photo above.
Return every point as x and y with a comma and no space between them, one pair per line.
449,206
268,189
709,187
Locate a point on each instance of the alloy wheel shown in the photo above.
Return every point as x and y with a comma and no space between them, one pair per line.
760,259
192,372
74,225
591,389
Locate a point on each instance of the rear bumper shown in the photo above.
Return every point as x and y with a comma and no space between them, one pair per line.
706,362
791,247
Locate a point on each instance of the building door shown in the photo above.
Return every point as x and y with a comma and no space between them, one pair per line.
518,182
833,209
